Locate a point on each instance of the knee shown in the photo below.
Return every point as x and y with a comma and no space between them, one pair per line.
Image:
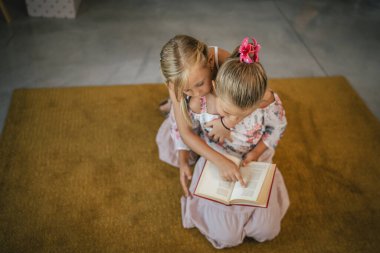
267,232
264,227
226,240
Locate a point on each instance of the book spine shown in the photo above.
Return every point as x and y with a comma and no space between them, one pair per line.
216,201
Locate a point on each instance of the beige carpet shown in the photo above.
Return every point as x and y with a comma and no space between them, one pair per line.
79,172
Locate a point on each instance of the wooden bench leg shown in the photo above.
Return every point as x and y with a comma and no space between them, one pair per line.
5,12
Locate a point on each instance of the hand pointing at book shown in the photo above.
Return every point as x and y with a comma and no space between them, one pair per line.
231,172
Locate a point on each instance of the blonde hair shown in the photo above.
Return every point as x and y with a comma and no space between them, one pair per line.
241,83
176,57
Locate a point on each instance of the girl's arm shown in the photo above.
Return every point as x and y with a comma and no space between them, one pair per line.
255,153
275,124
219,131
184,171
229,170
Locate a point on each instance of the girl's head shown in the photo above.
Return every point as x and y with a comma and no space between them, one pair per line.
241,82
185,66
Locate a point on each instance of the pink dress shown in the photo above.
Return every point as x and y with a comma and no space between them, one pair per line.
169,142
227,226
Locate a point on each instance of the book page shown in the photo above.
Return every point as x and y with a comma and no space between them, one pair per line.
212,185
254,174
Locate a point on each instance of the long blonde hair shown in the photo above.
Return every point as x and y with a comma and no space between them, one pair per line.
177,56
241,83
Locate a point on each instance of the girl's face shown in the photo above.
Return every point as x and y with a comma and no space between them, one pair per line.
231,112
199,81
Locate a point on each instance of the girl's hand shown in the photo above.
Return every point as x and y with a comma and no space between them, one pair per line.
218,133
230,171
185,175
251,156
255,153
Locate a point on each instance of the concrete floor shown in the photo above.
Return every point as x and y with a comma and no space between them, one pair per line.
118,42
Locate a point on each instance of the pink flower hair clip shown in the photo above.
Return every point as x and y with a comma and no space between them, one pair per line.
246,49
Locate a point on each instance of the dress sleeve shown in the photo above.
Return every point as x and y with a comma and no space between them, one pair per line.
174,132
274,122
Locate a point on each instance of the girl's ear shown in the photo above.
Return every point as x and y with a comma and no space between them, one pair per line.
213,84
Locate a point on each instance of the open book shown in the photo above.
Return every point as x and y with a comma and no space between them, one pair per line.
258,176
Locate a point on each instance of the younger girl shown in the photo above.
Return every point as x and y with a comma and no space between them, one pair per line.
242,96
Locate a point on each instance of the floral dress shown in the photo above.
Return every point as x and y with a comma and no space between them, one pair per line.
227,226
267,123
